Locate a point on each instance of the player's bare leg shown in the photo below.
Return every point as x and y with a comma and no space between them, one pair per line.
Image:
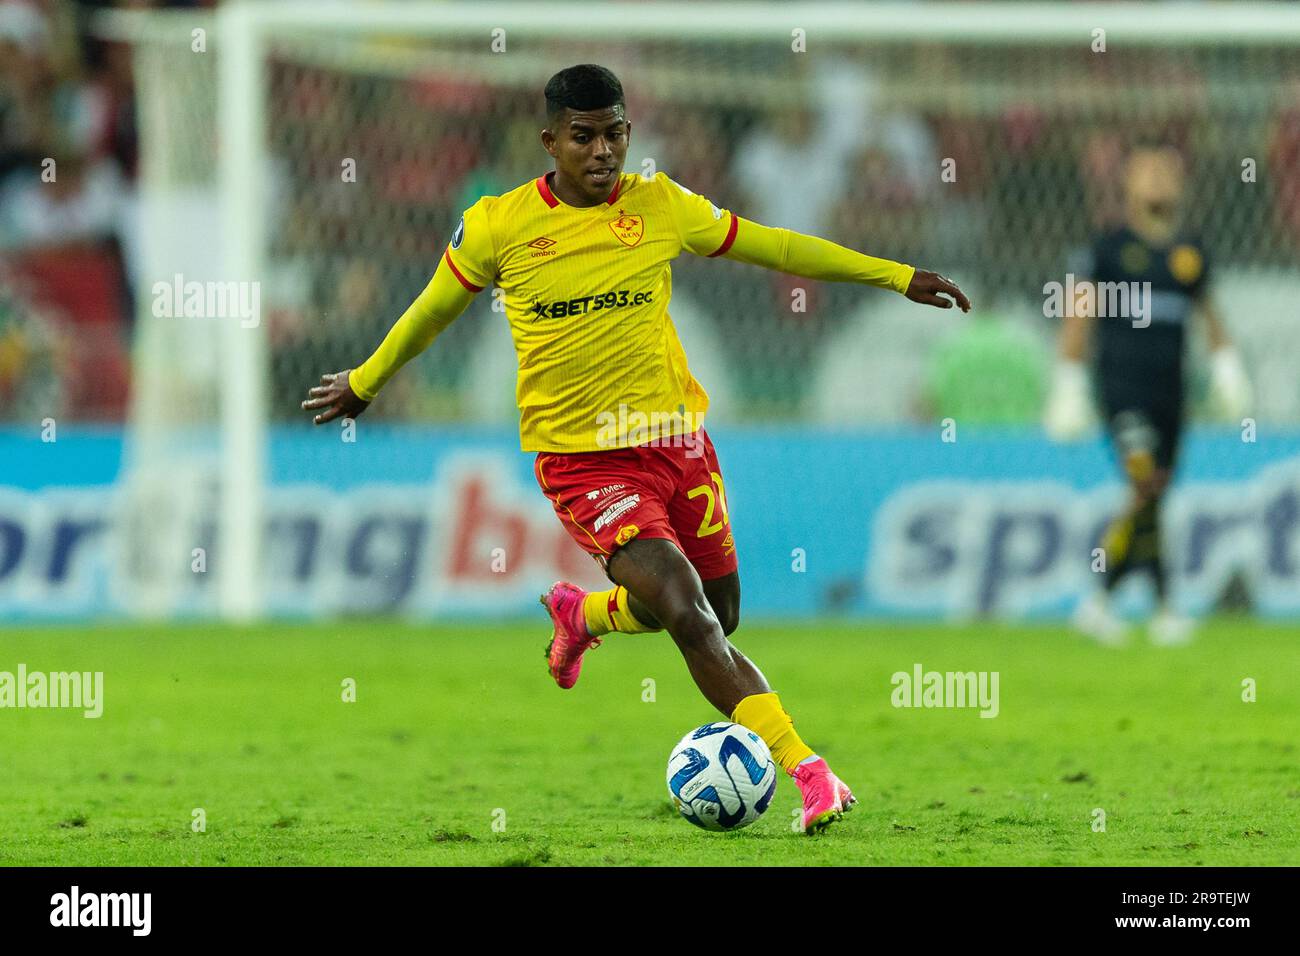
723,595
643,613
666,585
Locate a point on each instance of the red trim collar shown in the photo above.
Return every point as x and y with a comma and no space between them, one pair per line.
548,197
618,188
544,188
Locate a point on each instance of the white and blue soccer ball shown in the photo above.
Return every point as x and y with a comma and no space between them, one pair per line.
721,776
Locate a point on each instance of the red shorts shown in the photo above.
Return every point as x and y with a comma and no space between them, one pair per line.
673,491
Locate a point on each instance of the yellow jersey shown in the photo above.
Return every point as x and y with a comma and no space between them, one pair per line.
586,293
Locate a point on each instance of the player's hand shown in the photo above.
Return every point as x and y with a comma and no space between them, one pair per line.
929,288
336,397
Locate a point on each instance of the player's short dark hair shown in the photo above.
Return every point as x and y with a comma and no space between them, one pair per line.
583,87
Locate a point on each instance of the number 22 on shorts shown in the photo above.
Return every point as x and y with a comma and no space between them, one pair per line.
707,527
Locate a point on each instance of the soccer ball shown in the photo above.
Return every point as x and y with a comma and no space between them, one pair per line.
721,776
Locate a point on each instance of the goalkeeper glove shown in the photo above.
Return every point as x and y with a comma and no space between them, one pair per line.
1069,415
1230,391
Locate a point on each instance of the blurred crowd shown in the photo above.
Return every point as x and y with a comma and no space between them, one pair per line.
838,157
68,168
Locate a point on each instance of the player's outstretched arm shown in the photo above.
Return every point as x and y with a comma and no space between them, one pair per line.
815,258
348,393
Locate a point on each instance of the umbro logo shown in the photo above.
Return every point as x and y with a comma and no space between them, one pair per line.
543,246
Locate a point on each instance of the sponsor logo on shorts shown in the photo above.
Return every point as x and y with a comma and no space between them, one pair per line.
626,534
617,510
593,495
728,544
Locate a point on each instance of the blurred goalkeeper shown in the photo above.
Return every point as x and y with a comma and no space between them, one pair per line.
1138,360
607,401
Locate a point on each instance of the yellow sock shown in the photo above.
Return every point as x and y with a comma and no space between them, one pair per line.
1115,542
764,715
607,611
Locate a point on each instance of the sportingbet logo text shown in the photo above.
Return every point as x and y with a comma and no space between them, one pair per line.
208,300
628,427
1106,300
590,303
75,908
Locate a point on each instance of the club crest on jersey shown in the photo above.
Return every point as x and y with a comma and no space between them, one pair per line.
628,229
1185,264
458,236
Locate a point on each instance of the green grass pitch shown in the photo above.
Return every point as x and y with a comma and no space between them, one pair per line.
459,750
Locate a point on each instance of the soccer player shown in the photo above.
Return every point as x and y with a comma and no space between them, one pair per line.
607,401
1139,375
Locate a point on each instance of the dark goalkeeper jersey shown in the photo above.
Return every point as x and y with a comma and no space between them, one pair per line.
1147,356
